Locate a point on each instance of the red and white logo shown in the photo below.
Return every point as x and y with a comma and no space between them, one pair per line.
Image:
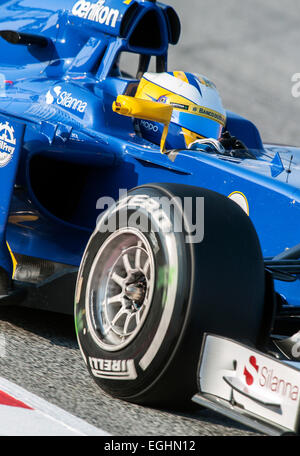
268,379
250,371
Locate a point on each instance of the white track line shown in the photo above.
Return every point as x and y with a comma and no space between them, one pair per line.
33,416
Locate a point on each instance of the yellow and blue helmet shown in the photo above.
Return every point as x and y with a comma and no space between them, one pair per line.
198,111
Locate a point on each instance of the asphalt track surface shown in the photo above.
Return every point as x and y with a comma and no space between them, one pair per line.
250,50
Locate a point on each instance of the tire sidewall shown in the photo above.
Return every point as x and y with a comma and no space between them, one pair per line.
135,367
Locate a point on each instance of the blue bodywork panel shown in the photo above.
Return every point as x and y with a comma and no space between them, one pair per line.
72,149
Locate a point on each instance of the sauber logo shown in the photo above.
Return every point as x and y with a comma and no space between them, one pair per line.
253,368
7,143
50,96
96,12
267,378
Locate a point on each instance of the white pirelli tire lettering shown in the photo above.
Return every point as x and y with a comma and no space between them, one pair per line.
113,369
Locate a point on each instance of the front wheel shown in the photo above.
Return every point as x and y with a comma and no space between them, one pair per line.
147,290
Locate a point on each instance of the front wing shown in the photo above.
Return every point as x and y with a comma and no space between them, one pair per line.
249,386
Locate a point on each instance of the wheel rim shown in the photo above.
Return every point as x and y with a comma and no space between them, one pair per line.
120,289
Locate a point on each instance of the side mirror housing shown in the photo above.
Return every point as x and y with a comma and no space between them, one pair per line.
147,110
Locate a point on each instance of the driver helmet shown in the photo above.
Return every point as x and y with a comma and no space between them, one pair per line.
198,111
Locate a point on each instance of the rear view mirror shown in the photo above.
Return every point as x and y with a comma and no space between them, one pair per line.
147,110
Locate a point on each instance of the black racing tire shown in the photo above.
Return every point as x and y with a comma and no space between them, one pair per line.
213,285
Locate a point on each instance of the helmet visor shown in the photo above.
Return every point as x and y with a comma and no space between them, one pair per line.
208,124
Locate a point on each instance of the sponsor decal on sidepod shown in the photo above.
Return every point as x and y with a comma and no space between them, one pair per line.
66,100
7,143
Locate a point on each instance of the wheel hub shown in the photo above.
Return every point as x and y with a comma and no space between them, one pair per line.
136,292
121,288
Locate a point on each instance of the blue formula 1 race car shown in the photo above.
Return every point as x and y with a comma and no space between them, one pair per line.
163,214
